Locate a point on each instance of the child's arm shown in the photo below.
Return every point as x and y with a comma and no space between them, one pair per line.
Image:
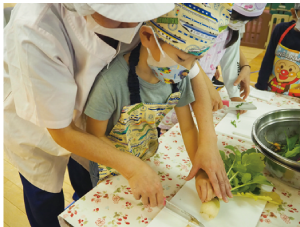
98,129
207,157
190,138
244,76
188,130
215,98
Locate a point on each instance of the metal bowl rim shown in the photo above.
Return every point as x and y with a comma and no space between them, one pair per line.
262,145
277,162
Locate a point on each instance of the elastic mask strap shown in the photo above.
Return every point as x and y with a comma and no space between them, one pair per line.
161,50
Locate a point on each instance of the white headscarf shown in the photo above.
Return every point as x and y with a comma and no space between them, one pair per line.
123,12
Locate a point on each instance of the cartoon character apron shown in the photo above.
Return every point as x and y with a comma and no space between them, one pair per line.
285,78
136,131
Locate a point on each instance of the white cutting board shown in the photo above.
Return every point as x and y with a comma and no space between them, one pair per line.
238,212
244,123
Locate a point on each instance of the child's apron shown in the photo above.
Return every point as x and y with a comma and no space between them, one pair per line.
285,78
136,131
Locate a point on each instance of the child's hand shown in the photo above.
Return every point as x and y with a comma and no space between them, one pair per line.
203,186
244,81
238,99
215,97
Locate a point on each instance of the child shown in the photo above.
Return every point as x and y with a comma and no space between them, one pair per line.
280,69
226,52
130,98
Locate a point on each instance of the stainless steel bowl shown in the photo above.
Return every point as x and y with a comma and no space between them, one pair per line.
273,126
281,171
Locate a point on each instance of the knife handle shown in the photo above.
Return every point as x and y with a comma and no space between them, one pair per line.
225,102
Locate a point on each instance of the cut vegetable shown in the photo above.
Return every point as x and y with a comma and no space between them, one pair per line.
239,105
233,123
210,210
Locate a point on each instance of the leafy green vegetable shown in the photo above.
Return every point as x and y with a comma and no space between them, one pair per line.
244,170
238,115
293,152
291,142
239,105
292,148
246,177
233,123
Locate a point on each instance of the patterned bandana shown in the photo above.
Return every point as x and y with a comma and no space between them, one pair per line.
249,9
192,28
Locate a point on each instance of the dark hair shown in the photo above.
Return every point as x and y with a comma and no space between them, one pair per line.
235,34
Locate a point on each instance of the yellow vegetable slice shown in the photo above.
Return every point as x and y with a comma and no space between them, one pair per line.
271,197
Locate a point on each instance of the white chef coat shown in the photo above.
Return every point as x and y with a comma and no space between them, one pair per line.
50,61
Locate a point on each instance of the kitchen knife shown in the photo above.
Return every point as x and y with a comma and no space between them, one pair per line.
238,105
183,214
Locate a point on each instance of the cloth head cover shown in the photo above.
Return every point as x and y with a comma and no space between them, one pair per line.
249,9
123,12
192,28
297,6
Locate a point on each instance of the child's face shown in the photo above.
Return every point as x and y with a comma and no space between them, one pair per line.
148,41
182,58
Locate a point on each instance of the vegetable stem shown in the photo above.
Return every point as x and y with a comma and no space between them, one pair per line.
241,186
231,165
233,177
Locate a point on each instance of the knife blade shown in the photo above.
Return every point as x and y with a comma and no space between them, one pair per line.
183,214
238,105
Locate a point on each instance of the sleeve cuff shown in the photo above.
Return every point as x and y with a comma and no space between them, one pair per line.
194,71
100,116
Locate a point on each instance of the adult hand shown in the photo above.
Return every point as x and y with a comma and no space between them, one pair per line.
145,184
215,97
209,159
238,99
244,81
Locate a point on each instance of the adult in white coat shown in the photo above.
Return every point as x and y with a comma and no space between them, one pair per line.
52,55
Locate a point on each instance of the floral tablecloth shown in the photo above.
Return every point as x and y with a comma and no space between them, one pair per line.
111,203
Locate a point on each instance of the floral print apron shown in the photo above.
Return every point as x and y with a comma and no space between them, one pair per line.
285,78
136,132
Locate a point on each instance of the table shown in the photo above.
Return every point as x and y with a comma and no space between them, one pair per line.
111,204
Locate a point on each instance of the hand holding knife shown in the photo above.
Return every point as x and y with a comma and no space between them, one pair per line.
182,213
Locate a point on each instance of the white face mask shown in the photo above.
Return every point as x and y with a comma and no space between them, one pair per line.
236,24
297,26
124,35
